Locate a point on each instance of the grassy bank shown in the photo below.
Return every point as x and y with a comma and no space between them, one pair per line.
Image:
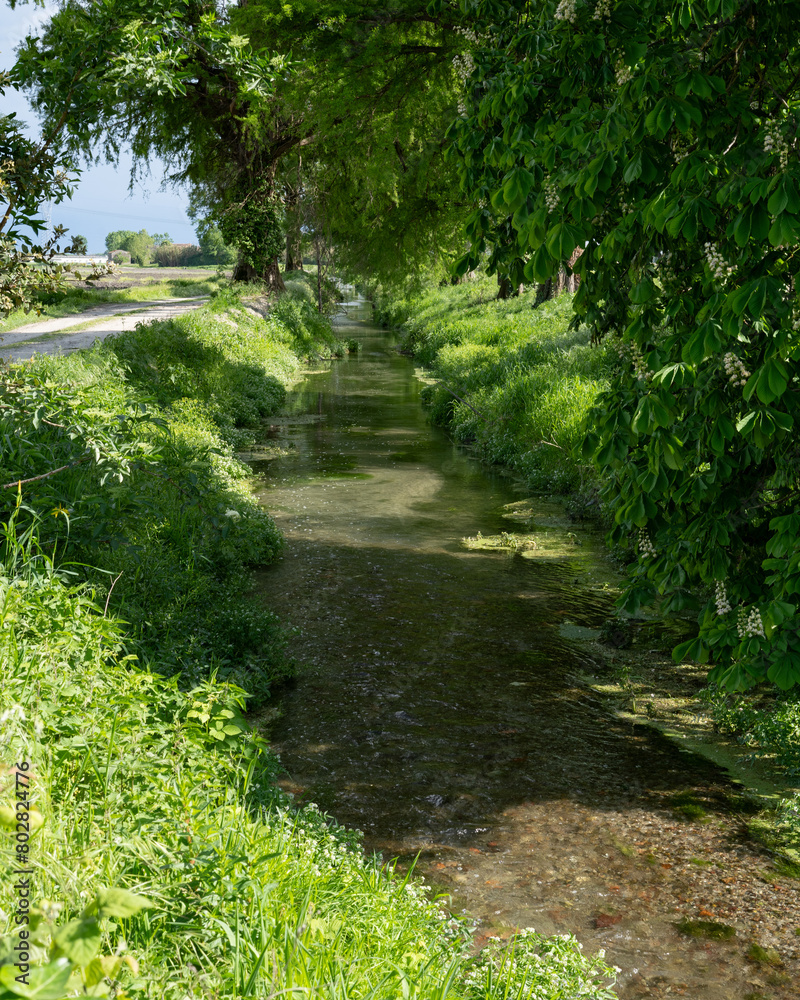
514,382
163,861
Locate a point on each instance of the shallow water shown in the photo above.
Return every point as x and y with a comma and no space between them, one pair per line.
439,710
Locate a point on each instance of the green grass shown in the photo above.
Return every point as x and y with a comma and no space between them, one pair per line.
165,861
153,499
515,382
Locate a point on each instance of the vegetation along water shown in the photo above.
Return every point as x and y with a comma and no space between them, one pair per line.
580,218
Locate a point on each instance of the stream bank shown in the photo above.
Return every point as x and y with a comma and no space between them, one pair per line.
442,710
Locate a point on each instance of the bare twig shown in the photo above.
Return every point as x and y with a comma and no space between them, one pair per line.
113,584
45,475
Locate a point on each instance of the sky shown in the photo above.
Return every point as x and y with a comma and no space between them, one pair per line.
101,202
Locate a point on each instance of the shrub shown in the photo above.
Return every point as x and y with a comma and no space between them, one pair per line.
176,255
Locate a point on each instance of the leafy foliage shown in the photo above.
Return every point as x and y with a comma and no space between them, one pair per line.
660,138
128,450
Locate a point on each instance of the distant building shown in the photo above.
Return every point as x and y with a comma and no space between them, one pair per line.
80,258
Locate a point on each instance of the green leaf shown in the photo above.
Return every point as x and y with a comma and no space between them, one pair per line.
785,671
693,649
79,940
562,240
741,227
45,982
119,903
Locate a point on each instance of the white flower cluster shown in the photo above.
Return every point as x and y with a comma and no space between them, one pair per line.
602,11
775,142
796,318
464,64
551,195
666,267
749,624
631,353
469,34
567,10
735,369
622,72
646,547
721,598
717,264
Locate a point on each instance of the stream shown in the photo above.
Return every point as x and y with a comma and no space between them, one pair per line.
438,708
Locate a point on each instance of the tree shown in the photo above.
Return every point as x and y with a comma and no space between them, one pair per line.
366,100
31,172
175,83
118,240
79,245
369,101
662,137
212,243
140,246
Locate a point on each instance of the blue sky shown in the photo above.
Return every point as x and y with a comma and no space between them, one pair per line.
101,202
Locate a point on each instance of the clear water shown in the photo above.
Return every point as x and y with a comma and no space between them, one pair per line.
437,710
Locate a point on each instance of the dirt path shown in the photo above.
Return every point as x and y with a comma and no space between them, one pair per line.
52,336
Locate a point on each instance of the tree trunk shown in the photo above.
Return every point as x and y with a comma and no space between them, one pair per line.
544,292
504,287
271,275
319,281
294,255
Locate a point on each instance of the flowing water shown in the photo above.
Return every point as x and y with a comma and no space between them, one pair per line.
439,710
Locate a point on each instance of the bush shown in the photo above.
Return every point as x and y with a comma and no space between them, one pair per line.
176,255
152,495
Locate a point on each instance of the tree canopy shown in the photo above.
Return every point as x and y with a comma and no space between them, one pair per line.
358,96
660,138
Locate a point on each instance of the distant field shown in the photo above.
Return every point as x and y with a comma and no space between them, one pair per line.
128,276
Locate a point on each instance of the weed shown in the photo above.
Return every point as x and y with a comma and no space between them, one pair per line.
712,929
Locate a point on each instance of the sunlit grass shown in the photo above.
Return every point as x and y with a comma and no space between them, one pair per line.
514,381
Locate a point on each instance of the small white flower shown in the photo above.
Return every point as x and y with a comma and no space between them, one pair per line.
234,515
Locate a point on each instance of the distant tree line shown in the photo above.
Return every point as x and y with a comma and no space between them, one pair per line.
144,248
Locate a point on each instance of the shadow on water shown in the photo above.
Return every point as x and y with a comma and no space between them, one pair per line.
439,710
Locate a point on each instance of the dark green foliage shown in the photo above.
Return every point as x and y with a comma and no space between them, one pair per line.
660,139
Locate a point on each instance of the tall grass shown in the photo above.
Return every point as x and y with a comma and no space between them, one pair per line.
513,380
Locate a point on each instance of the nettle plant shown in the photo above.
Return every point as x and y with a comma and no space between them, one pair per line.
657,143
